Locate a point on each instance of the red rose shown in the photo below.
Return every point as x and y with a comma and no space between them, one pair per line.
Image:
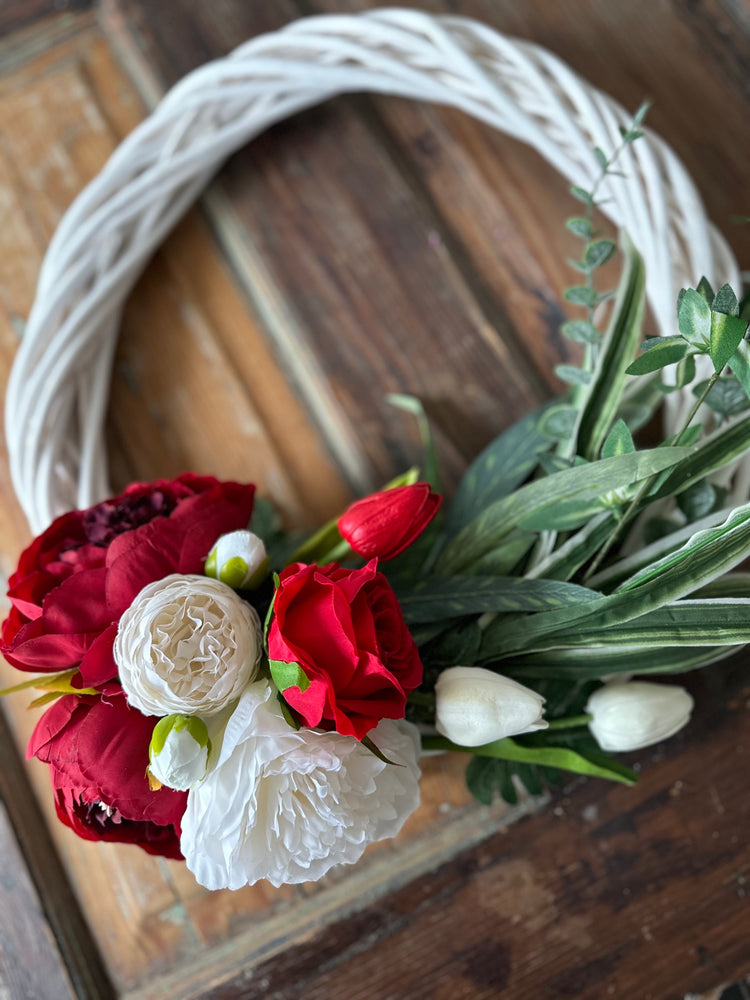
384,524
97,751
345,630
75,580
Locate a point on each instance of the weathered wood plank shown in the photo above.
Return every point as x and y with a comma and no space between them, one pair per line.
46,948
30,964
612,892
381,293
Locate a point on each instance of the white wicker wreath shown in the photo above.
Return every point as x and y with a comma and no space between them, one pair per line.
57,394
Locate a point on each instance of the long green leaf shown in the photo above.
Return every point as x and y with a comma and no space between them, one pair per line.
575,551
684,623
596,765
498,470
601,661
704,557
436,598
608,579
602,399
486,531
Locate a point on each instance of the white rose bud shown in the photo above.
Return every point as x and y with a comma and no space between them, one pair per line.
178,752
474,706
636,714
238,559
187,645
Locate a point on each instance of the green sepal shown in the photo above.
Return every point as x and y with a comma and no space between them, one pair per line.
286,675
369,745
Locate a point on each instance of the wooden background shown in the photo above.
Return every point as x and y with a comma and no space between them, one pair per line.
366,247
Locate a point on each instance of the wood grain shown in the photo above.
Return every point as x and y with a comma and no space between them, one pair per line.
260,344
612,892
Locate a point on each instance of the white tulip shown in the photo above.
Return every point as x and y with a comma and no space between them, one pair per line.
636,714
474,706
238,559
178,752
187,645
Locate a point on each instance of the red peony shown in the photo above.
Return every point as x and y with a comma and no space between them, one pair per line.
75,580
97,751
384,524
345,630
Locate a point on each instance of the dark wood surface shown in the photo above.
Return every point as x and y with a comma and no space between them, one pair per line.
369,246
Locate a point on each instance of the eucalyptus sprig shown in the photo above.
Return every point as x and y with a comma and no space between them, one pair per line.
596,252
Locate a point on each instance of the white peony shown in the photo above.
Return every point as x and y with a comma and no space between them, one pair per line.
287,805
187,645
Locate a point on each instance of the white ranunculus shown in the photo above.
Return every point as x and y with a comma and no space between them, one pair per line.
238,559
636,714
178,753
287,805
474,706
187,645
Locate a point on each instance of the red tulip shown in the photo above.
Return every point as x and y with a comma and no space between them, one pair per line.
384,524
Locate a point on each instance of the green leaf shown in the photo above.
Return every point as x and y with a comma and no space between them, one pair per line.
601,157
580,226
581,194
685,372
286,675
697,501
501,560
488,529
726,334
563,758
410,404
725,301
564,561
704,289
581,295
598,252
694,319
572,375
453,597
701,559
569,514
580,664
580,331
710,454
558,422
740,365
456,645
726,396
630,134
498,470
619,441
602,398
668,352
683,623
377,752
484,776
640,115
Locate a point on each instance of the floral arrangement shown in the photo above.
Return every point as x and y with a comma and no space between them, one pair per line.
220,690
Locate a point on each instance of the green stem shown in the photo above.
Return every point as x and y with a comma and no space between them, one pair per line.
571,722
426,698
646,484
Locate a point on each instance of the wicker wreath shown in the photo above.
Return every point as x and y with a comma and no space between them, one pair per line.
57,394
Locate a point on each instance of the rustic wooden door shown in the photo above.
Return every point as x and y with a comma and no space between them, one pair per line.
366,247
